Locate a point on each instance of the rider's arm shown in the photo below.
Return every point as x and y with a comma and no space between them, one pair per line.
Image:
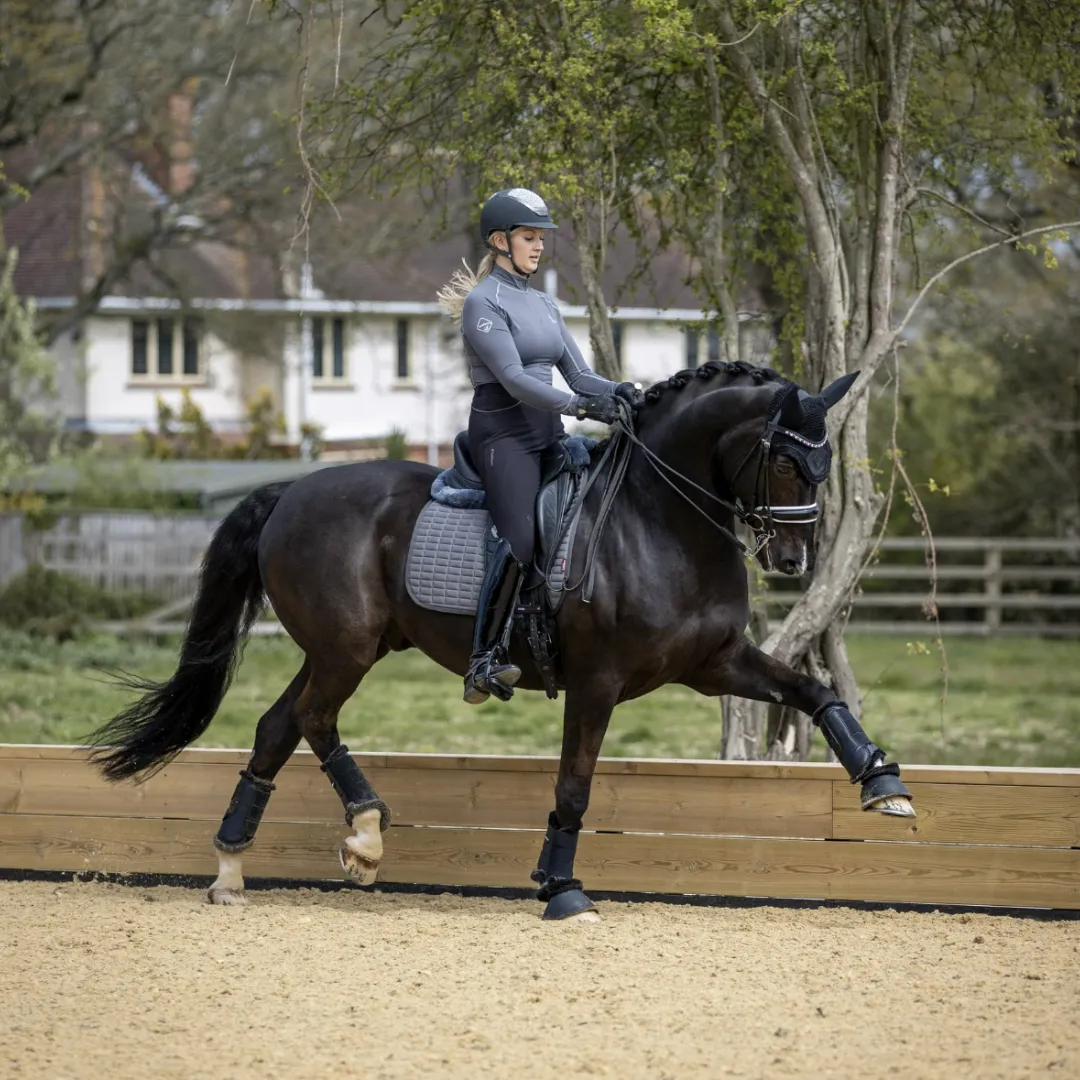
578,375
484,328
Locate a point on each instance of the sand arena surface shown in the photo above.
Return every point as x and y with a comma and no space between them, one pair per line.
115,982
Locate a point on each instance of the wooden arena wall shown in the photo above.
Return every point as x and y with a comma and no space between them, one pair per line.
995,837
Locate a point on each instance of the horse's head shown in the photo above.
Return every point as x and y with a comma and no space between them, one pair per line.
773,464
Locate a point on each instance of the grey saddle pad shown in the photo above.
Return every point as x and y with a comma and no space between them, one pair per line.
448,555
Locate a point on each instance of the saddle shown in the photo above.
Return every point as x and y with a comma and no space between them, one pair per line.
563,469
454,536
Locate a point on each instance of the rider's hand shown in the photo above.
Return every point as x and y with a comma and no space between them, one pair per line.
603,407
631,393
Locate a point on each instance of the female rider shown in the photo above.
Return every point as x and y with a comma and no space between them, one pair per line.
514,335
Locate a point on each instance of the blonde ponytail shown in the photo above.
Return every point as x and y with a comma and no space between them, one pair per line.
462,282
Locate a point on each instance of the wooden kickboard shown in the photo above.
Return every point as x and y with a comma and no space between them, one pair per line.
730,866
739,829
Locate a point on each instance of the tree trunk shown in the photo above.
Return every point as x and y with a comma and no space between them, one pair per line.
849,313
591,259
743,721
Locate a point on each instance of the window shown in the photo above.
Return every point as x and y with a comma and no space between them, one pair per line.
616,338
339,348
323,330
714,344
691,347
403,348
191,348
140,353
165,348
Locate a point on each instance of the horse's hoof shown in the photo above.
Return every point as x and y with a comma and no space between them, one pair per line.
357,868
361,854
569,905
887,795
226,897
587,916
894,806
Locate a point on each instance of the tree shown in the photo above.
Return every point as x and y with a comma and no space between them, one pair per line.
28,427
865,104
176,119
830,148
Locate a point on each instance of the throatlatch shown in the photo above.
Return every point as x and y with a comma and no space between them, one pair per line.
241,820
554,873
355,793
864,762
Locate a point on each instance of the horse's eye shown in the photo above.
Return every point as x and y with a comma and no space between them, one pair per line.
784,468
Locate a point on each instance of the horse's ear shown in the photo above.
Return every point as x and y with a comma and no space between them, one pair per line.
791,413
835,391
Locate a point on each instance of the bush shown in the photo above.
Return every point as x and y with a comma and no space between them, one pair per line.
46,603
396,445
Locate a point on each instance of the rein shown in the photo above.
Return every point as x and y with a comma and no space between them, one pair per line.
618,451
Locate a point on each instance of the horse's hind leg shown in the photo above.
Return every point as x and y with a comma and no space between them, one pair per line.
331,684
276,737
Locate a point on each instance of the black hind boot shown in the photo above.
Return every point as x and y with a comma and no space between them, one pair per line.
490,670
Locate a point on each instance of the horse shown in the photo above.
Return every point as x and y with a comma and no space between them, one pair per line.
667,603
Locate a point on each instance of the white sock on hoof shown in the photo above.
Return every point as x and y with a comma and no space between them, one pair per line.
228,886
362,852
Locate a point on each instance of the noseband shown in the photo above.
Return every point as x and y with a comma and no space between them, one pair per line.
764,514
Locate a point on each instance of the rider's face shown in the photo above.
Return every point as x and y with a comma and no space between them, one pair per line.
528,246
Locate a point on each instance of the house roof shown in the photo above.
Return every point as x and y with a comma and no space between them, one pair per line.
45,229
404,264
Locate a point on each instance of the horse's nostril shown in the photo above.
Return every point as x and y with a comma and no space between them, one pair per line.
789,566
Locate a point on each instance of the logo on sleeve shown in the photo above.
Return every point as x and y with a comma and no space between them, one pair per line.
484,325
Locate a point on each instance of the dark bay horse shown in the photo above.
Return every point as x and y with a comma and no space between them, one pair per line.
669,605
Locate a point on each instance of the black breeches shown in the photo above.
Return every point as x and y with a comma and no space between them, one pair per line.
507,440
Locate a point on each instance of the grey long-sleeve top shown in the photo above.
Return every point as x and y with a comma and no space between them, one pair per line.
515,335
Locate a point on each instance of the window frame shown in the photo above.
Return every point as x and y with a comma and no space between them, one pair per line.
185,335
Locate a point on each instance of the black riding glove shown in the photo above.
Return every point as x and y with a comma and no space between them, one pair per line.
603,407
631,393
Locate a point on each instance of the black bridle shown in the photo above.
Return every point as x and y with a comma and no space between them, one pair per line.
762,515
796,514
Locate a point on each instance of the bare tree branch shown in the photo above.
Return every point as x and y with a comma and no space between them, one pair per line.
875,352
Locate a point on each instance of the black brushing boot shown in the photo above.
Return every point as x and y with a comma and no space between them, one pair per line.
555,873
882,789
490,670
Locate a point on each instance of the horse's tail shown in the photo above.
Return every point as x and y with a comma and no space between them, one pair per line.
149,733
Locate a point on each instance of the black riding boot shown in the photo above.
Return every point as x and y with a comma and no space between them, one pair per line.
490,670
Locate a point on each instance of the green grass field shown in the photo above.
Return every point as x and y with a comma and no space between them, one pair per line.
1010,702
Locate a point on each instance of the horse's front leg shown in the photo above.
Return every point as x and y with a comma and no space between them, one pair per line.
745,671
585,721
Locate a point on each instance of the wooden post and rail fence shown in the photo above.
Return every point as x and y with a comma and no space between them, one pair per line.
984,586
983,837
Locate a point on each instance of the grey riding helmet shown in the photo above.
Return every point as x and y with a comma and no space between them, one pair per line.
510,209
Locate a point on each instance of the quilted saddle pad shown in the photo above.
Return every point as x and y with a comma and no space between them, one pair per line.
448,555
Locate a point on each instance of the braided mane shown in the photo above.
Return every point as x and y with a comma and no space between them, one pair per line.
710,369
